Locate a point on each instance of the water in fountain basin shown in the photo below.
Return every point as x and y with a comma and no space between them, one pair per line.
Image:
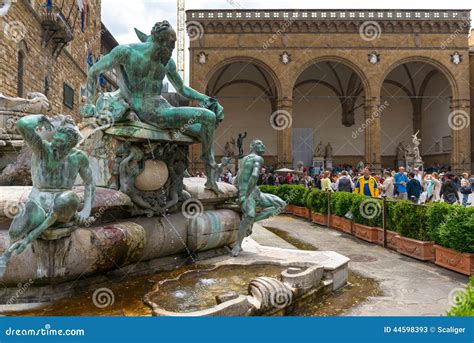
197,290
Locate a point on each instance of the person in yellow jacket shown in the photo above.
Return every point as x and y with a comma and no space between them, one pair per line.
367,185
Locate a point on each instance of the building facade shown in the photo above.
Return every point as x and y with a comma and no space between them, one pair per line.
48,50
364,81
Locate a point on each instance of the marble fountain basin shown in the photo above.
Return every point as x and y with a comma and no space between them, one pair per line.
258,288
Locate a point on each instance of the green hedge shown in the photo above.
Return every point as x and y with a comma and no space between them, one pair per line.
464,301
410,220
457,231
436,214
292,194
341,203
448,225
317,201
366,211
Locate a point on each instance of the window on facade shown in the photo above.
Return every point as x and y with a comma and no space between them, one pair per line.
68,96
20,73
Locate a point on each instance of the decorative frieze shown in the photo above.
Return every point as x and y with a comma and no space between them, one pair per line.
331,21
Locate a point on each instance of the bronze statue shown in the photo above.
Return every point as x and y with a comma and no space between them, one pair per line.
250,198
54,168
240,142
141,69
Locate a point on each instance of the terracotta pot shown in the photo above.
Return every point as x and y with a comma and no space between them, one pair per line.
318,218
421,250
301,211
346,225
451,259
392,238
288,209
367,233
335,220
342,224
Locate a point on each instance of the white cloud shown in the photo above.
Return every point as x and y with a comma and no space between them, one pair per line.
121,16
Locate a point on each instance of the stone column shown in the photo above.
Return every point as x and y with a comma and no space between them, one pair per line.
459,121
281,120
372,154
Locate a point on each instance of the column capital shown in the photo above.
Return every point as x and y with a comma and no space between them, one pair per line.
460,104
372,102
284,103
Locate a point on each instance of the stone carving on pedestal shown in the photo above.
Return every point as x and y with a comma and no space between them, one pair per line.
318,159
319,150
229,148
249,197
418,162
400,154
16,166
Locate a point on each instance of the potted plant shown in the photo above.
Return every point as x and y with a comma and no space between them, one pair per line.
411,223
341,203
296,197
392,236
455,248
317,202
436,214
367,216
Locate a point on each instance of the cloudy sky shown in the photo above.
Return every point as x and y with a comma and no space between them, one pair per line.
121,16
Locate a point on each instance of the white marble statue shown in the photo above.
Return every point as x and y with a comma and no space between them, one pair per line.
35,103
319,150
416,147
328,151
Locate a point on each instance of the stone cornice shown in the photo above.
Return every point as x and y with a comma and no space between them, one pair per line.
330,21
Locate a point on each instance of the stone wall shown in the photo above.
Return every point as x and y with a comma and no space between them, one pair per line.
284,43
20,30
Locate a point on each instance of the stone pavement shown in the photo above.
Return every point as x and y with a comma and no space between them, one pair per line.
410,287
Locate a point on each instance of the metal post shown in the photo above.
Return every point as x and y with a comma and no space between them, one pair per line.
329,210
384,219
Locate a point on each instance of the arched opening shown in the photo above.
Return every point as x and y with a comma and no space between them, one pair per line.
328,100
418,95
248,93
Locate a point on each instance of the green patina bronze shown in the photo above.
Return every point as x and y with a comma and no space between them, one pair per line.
54,169
139,131
141,68
250,198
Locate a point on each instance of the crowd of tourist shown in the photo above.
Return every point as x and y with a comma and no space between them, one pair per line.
417,186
